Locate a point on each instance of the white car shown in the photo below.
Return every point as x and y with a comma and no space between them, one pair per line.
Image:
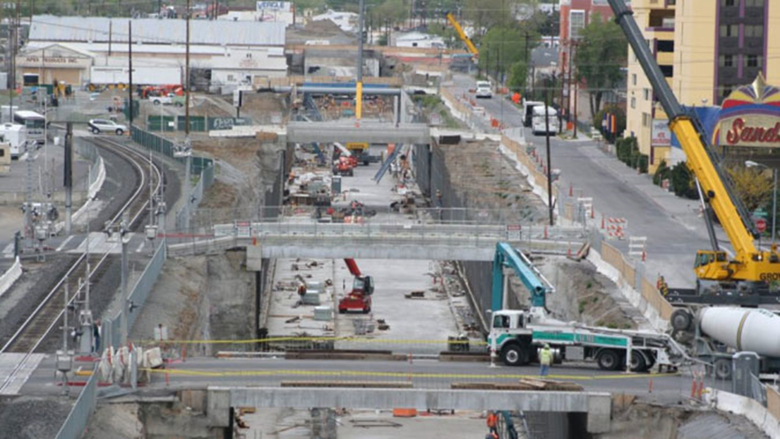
98,126
484,90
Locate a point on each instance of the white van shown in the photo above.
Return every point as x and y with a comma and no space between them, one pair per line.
539,126
484,90
16,135
528,111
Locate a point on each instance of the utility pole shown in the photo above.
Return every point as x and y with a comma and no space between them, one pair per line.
123,230
359,84
110,35
576,91
527,54
68,178
547,141
561,75
187,142
568,97
130,73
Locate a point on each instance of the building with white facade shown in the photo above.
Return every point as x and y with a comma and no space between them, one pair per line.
229,53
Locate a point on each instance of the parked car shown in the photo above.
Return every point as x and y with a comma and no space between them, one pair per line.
98,126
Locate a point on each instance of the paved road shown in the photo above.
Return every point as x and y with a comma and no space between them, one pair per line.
430,374
672,225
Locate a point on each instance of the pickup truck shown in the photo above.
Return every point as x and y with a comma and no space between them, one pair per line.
171,99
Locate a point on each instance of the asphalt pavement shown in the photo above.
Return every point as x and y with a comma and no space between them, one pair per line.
200,372
672,225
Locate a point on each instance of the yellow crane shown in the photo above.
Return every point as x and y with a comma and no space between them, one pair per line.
750,270
465,38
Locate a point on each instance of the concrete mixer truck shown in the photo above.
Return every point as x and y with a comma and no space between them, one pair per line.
716,333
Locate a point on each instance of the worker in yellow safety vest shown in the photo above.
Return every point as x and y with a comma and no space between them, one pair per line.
545,359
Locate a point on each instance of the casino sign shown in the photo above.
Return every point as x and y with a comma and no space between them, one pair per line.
750,117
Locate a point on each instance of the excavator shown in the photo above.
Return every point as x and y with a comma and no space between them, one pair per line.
359,299
465,38
741,277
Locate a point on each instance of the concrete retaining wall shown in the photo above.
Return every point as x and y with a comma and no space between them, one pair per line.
597,405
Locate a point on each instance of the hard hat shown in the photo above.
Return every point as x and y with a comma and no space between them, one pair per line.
547,345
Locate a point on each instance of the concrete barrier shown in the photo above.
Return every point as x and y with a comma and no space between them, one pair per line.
10,276
764,418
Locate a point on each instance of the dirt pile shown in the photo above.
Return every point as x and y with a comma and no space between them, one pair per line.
483,178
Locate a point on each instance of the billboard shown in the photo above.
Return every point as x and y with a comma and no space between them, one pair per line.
750,117
273,6
661,136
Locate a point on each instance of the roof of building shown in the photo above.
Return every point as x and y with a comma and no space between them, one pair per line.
157,31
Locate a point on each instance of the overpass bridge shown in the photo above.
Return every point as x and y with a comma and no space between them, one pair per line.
375,240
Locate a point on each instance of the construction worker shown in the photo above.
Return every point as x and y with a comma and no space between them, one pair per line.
545,359
492,422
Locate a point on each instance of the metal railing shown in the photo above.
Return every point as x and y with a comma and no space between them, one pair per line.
76,422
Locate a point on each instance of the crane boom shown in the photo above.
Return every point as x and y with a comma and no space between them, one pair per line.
465,38
532,279
749,264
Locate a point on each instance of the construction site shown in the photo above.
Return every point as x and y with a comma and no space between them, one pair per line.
375,244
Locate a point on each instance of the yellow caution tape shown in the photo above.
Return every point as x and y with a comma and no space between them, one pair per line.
314,339
419,375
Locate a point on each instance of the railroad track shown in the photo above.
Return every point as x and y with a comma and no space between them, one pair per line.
46,317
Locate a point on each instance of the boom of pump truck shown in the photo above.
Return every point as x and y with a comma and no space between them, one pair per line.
517,335
750,269
465,38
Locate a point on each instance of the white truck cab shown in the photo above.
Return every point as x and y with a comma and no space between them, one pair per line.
484,89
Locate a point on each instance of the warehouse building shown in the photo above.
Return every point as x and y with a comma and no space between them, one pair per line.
228,54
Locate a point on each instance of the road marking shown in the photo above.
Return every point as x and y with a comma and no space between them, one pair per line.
140,247
64,243
419,375
8,251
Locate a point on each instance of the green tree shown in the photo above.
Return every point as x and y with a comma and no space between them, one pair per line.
502,47
753,186
518,75
394,11
486,14
600,55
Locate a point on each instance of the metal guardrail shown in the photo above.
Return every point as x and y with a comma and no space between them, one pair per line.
76,422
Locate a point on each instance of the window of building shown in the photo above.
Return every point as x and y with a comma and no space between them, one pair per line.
633,102
249,55
724,91
754,3
231,78
753,61
645,120
727,60
754,31
633,79
665,46
668,71
728,3
729,30
647,94
576,23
